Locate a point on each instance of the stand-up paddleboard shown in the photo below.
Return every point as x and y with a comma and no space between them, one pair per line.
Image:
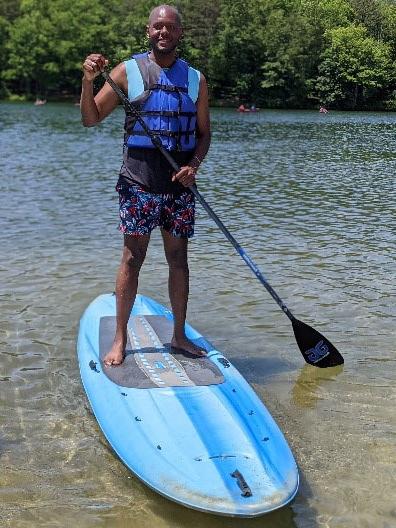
190,428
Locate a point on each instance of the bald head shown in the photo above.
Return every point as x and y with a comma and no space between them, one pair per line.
164,11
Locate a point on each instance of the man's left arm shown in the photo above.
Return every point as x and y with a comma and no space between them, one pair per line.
186,175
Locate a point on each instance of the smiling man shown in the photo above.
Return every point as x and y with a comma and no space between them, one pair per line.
172,98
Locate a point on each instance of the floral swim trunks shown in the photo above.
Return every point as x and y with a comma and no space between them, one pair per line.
142,211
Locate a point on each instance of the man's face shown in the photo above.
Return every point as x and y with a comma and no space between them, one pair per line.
164,31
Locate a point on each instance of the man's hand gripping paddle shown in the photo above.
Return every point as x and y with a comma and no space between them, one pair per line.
315,348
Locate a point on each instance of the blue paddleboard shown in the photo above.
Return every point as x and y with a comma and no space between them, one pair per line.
192,429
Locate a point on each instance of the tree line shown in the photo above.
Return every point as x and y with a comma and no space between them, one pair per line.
271,53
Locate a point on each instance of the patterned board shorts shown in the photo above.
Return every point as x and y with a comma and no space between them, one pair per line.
142,211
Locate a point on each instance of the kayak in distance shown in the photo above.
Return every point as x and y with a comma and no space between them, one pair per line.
191,428
243,108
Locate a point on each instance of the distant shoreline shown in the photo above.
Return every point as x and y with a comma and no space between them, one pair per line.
215,103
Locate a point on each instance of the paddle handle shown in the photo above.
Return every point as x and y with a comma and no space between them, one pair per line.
157,143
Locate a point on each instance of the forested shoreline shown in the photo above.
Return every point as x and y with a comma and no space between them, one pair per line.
271,53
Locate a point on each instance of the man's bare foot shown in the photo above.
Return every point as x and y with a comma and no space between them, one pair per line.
188,346
116,355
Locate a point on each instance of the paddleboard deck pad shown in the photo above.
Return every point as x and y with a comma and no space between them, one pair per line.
189,427
150,361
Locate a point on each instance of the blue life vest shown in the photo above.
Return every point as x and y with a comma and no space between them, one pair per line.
165,106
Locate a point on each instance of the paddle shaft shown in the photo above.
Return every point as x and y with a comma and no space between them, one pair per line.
243,254
157,143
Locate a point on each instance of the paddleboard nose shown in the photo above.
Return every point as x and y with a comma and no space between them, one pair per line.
235,485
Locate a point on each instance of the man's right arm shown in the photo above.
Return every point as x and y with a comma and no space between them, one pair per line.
95,109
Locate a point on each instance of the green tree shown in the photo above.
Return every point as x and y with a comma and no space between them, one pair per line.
49,40
9,9
270,52
388,13
288,40
263,52
368,14
354,68
236,53
328,14
4,32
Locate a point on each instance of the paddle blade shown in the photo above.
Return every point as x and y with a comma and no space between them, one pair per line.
316,349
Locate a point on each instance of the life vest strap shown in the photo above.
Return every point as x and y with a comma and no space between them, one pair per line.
169,88
164,113
167,133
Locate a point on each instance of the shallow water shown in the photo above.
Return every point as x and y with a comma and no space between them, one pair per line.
311,198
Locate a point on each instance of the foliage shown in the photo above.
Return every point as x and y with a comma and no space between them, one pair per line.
328,14
48,40
354,66
278,53
235,56
368,14
288,38
9,9
4,31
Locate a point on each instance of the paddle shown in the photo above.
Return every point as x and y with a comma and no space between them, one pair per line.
315,348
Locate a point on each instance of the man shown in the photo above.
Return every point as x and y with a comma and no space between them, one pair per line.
173,99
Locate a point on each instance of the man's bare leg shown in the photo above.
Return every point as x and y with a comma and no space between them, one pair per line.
133,256
176,256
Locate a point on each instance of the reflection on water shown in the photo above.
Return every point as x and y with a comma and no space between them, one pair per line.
311,199
307,387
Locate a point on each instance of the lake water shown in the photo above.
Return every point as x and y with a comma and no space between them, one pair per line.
311,198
